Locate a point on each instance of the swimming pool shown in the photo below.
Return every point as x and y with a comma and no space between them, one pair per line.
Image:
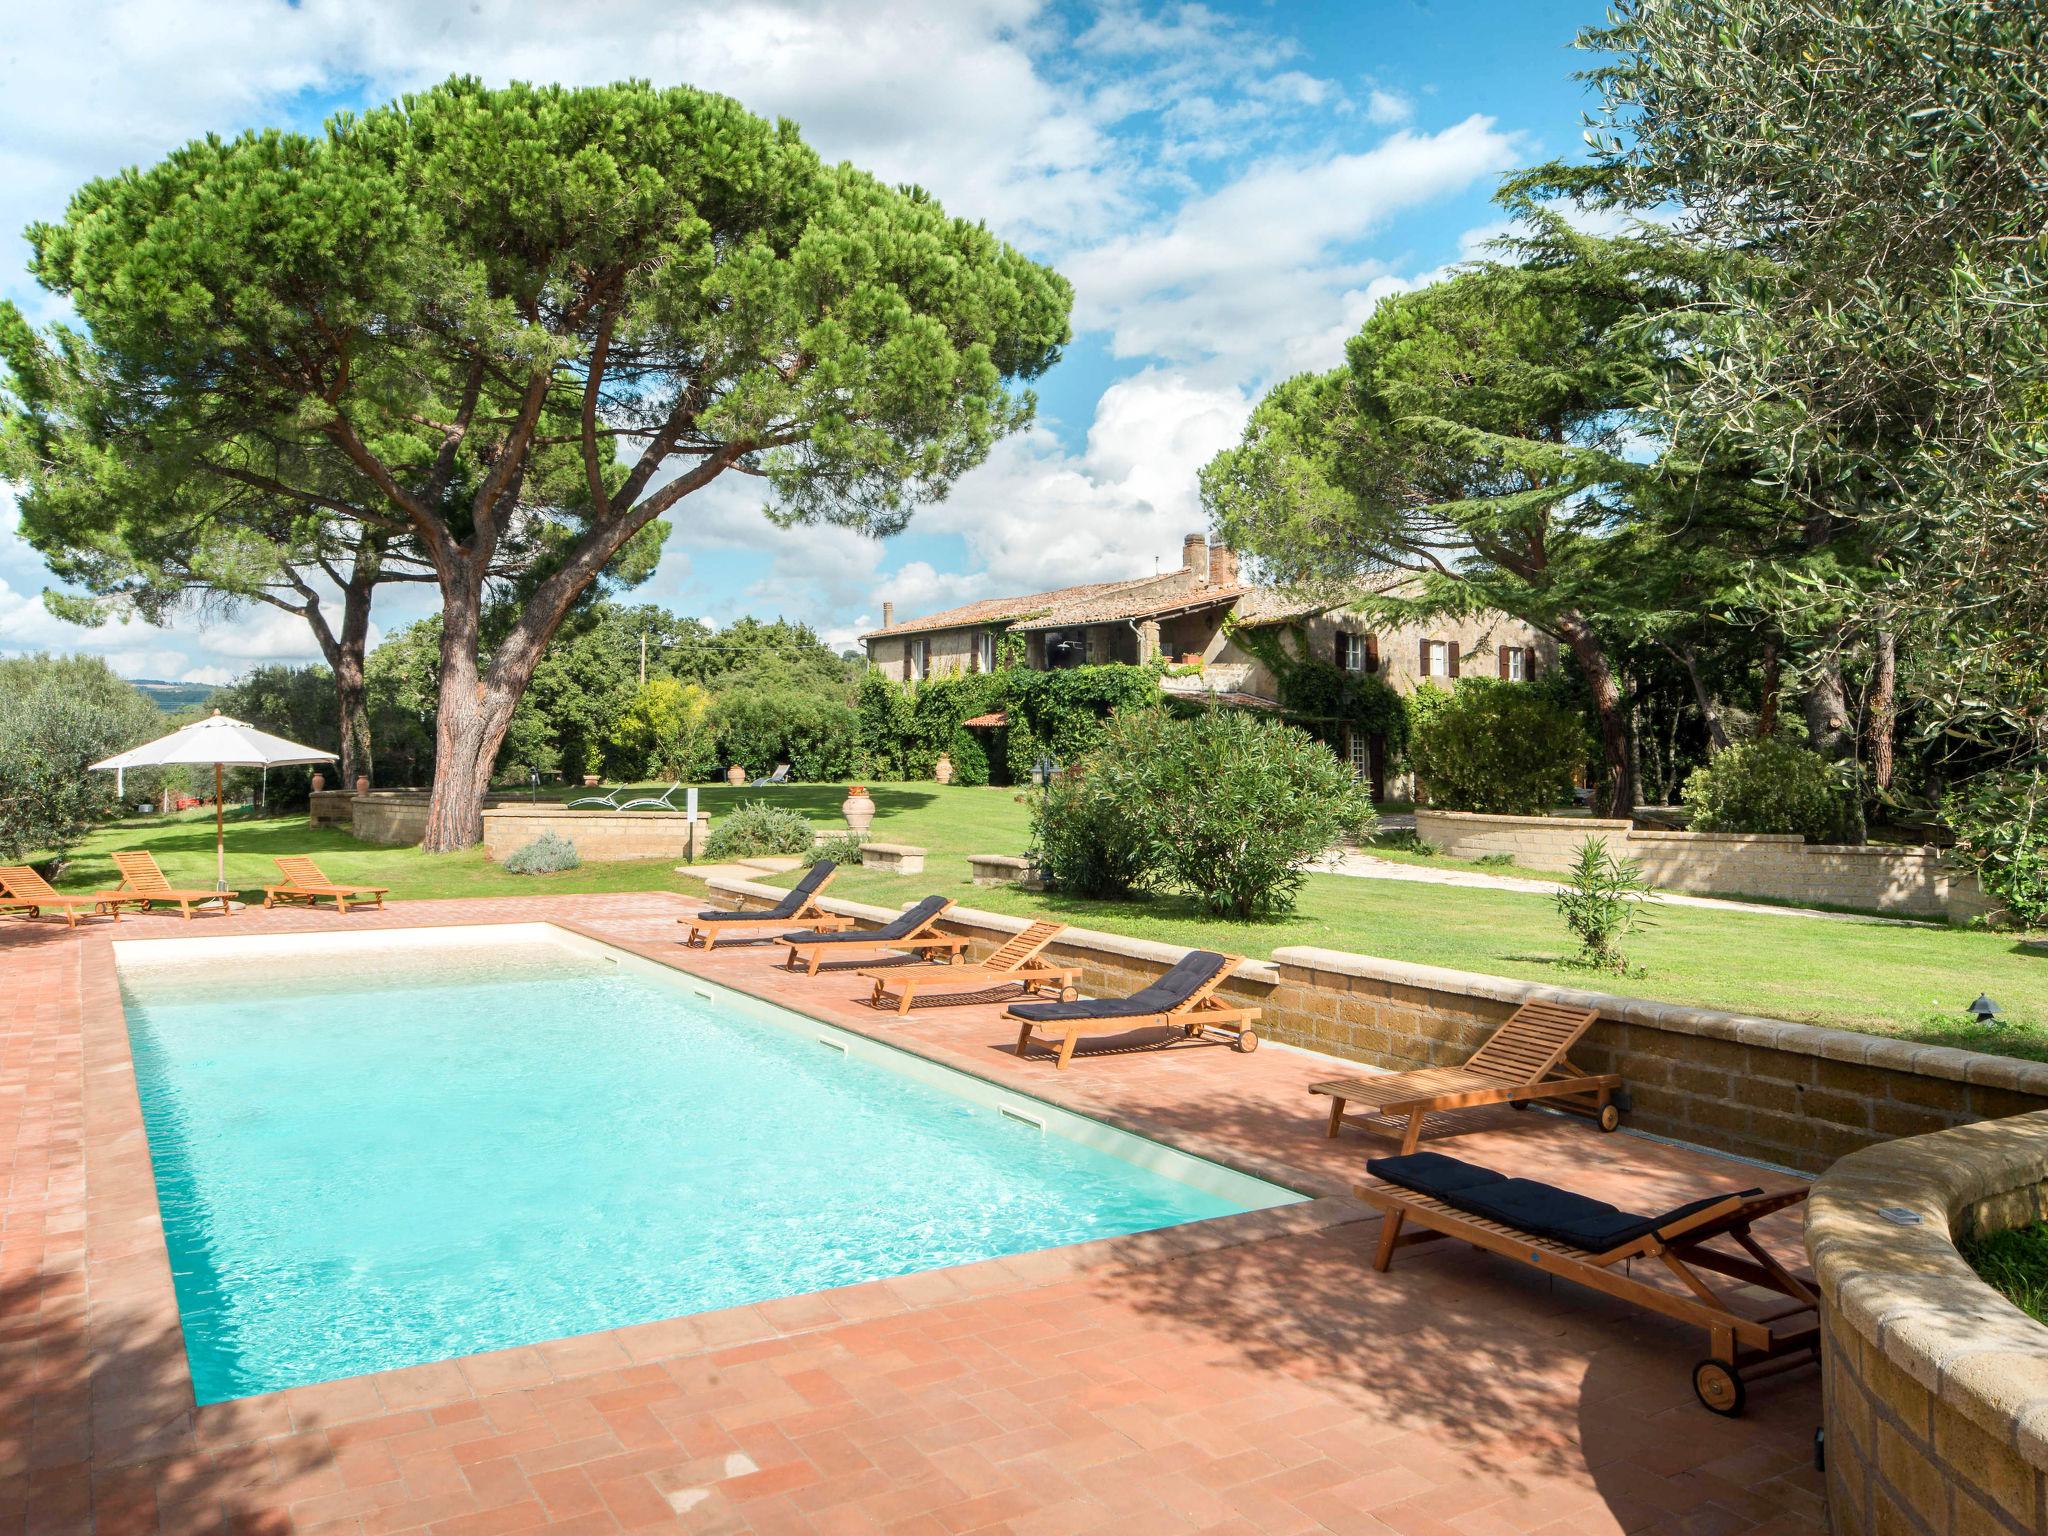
378,1149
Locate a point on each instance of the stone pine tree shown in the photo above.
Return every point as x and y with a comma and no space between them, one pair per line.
543,318
1483,436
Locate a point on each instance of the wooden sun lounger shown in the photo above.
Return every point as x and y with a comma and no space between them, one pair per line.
799,906
1763,1339
143,884
1525,1059
304,882
1184,996
29,894
912,931
1015,962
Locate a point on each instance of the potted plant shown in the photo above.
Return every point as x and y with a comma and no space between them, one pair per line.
943,769
857,808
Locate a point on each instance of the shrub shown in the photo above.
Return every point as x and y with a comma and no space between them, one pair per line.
1602,903
757,827
665,731
1774,785
970,761
844,848
1083,842
759,728
1235,805
1501,748
2001,825
56,716
545,855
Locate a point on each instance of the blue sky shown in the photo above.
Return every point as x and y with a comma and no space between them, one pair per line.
1231,187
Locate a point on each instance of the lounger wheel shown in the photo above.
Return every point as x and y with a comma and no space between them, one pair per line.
1070,994
1609,1118
1718,1387
1247,1040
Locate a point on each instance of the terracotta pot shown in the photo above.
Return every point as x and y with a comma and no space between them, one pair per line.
735,774
362,783
943,769
857,808
591,780
319,782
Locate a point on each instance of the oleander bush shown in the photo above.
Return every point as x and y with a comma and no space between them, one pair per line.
757,827
545,855
1775,785
1602,901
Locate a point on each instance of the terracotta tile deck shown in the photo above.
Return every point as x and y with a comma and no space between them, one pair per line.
1245,1376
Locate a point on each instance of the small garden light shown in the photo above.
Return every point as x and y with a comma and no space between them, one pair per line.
1984,1010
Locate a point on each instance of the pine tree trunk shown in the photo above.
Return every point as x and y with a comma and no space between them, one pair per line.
1825,704
469,724
1709,706
1591,656
1767,708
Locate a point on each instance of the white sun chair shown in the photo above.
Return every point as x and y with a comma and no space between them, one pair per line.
660,802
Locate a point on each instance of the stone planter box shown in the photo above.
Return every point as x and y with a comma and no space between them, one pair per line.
1935,1387
998,869
896,858
601,837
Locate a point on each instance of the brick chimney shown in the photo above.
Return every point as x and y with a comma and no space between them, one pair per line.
888,614
1222,566
1194,555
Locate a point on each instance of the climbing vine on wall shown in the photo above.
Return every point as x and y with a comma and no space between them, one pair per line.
904,727
1321,697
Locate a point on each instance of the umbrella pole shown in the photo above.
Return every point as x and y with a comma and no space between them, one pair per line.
220,838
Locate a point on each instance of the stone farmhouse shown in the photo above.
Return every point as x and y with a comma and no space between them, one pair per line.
1180,615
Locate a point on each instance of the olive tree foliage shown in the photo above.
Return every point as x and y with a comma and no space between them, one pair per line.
1881,350
541,318
57,716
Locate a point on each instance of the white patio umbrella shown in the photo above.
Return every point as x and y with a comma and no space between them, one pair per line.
226,744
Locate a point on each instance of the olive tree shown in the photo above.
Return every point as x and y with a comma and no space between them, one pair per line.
541,317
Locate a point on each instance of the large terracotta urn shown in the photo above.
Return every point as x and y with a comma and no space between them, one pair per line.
857,808
319,782
943,769
362,783
735,775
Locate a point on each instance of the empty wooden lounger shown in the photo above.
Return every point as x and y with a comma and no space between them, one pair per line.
1184,996
30,895
1523,1060
912,931
799,906
1591,1243
1015,962
304,882
143,885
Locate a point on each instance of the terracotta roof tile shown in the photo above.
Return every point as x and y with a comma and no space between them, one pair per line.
999,610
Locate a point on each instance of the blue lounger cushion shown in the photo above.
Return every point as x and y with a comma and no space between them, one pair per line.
1168,992
1541,1210
789,906
897,928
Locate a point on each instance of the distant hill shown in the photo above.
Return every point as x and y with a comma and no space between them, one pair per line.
172,697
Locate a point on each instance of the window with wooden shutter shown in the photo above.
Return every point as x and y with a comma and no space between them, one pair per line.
1440,658
1504,673
1451,657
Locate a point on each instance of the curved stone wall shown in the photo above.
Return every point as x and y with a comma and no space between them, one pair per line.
1936,1386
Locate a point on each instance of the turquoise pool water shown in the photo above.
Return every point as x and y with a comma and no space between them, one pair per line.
370,1160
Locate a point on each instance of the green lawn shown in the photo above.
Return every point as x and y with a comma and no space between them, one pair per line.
1910,982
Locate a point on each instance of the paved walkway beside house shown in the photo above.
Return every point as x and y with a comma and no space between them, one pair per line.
1366,866
1251,1375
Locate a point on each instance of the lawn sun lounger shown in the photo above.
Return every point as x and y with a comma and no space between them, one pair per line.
1523,1060
608,802
912,931
29,894
143,885
660,802
1016,963
1184,996
799,906
304,882
779,776
1591,1243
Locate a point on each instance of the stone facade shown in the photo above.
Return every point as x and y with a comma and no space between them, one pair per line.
601,837
1904,882
1935,1387
1793,1094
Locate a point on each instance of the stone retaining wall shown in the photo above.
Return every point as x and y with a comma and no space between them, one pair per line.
1907,882
330,807
393,817
601,837
1935,1387
1788,1093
